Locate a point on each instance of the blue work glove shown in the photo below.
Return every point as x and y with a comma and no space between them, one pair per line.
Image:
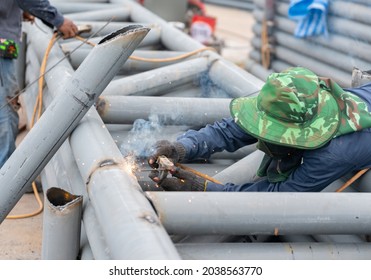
181,180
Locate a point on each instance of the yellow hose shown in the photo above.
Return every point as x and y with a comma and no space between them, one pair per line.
351,180
38,108
170,59
202,175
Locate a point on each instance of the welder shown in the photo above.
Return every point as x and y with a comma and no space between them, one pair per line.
311,130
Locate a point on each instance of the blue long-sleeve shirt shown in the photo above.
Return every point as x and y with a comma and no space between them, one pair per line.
11,16
319,168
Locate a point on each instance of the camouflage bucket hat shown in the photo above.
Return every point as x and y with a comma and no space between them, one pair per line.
290,110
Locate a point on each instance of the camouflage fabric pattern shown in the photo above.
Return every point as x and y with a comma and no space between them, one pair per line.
354,112
291,110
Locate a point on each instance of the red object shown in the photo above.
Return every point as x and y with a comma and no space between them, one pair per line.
211,21
202,28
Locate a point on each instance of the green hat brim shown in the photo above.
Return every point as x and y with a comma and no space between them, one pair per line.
310,135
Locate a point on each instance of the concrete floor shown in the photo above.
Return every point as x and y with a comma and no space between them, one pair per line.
21,238
234,27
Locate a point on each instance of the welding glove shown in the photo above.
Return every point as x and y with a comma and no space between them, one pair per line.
172,150
181,180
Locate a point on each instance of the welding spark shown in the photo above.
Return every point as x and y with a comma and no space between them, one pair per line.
133,165
130,164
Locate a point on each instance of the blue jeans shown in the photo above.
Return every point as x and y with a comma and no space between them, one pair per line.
8,116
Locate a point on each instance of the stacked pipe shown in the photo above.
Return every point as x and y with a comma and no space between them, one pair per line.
238,4
335,56
122,221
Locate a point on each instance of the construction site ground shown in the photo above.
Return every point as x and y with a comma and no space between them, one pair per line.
21,239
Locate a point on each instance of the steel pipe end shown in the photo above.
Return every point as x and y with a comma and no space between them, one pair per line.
124,32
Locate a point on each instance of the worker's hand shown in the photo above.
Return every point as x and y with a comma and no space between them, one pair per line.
172,150
181,181
28,17
68,29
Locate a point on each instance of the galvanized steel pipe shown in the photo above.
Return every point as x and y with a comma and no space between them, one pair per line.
120,13
275,251
337,41
159,80
123,212
61,225
263,213
195,112
64,113
152,39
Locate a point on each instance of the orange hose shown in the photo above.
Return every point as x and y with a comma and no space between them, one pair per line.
202,175
38,108
351,180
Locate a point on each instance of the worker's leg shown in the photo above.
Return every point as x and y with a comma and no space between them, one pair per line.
260,186
8,116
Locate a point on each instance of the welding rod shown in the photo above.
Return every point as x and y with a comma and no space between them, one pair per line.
202,175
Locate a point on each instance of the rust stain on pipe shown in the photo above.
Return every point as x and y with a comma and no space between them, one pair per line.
101,106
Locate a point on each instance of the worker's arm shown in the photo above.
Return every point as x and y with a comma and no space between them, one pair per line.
50,15
320,167
222,135
364,92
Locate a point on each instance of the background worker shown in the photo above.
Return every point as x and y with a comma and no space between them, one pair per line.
10,37
311,130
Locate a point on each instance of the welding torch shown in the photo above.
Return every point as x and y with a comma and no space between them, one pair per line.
166,166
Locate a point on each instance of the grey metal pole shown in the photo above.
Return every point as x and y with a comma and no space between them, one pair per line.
133,65
339,238
130,225
329,55
337,41
226,75
63,115
101,28
350,28
349,10
263,213
167,110
61,225
159,80
120,13
292,58
152,39
66,171
234,80
238,4
67,7
105,148
257,69
275,251
242,171
323,69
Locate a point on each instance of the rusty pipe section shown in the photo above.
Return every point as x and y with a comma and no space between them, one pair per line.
61,225
78,94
